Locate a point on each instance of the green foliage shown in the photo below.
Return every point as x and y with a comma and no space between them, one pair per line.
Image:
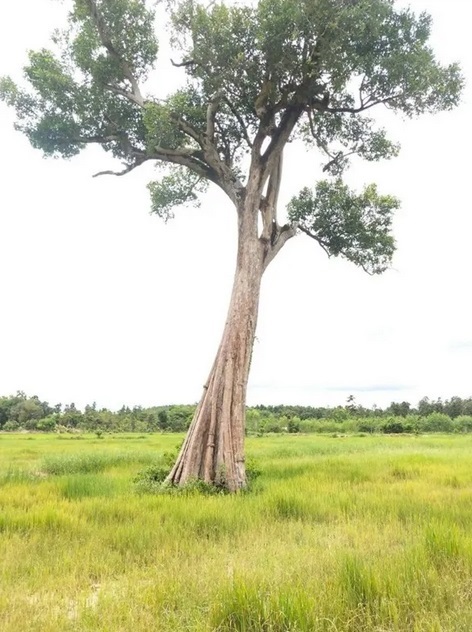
293,425
437,422
393,426
463,423
319,63
178,188
21,412
129,25
355,226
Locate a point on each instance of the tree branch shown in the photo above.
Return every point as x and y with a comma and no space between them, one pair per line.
325,247
284,234
269,203
108,44
365,106
316,238
183,64
120,173
212,109
188,129
242,125
197,166
280,138
125,93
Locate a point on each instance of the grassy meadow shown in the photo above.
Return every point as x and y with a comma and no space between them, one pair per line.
360,533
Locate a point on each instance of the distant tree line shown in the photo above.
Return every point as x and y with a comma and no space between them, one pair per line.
22,412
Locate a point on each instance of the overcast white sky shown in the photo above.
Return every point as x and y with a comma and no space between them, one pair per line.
100,301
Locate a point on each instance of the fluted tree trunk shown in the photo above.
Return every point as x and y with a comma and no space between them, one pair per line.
213,450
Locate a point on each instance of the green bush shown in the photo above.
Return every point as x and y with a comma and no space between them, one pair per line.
48,424
436,422
393,426
11,426
463,423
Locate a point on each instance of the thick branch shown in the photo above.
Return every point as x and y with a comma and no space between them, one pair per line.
197,166
183,64
283,235
212,109
188,129
273,187
269,203
280,138
126,94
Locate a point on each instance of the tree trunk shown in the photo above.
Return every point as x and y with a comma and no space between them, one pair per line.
213,450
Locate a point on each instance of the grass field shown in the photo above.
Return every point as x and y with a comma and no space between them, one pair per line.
338,534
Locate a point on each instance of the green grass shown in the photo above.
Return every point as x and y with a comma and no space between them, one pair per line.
345,534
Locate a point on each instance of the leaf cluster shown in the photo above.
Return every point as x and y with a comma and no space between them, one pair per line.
355,226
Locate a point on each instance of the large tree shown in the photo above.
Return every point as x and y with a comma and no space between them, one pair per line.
254,77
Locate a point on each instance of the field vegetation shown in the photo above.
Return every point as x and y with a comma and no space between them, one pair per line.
22,412
337,534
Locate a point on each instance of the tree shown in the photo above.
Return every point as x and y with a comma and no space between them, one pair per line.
254,77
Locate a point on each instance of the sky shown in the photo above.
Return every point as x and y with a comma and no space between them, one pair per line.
101,301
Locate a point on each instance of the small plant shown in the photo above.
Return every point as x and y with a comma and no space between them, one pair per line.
152,479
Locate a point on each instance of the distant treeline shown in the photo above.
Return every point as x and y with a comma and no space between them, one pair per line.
21,412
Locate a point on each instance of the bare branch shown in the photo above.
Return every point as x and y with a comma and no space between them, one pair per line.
119,173
183,64
284,234
361,91
310,122
200,167
323,244
337,158
269,204
325,247
96,139
188,129
125,93
366,106
212,109
138,161
280,137
273,187
242,125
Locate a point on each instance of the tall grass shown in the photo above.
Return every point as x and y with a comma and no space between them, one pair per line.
338,535
90,462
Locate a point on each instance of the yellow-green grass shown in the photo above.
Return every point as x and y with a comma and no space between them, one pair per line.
338,534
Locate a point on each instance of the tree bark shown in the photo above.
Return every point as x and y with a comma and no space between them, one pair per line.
213,450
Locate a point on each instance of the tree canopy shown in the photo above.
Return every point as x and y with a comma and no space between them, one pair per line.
253,76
